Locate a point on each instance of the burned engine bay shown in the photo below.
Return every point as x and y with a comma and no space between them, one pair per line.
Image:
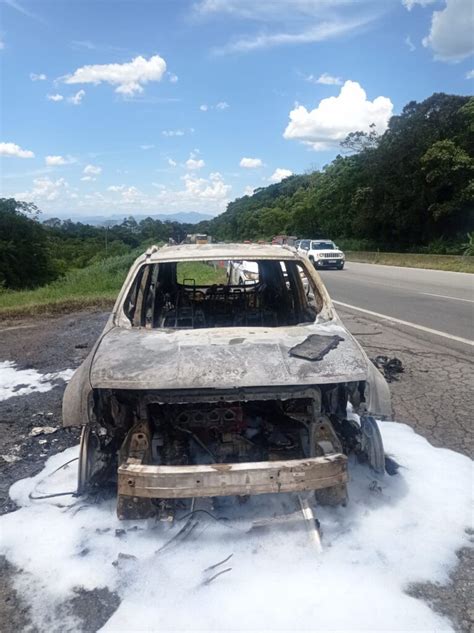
142,427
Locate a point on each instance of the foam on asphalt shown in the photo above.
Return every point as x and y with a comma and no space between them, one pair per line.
394,531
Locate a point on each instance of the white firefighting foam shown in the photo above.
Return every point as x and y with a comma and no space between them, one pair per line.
394,531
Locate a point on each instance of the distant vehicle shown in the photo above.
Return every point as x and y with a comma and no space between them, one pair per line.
197,238
323,253
284,240
242,272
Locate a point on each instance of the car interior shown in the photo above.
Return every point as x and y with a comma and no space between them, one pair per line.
160,297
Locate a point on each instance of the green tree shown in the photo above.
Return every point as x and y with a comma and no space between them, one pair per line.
25,258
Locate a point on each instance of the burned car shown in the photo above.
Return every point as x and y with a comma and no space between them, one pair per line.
200,387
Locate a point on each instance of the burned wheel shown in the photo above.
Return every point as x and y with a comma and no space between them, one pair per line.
85,462
97,466
372,444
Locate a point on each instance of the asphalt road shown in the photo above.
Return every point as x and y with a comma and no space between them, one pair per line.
432,299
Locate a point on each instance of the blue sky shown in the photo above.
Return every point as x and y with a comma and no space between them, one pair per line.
118,106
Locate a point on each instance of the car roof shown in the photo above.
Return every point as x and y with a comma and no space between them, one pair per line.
184,252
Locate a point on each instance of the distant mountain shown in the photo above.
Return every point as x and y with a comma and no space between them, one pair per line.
190,217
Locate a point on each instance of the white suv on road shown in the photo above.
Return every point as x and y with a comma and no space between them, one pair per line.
323,253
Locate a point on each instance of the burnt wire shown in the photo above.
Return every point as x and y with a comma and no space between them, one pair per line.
57,494
217,519
219,563
198,441
209,580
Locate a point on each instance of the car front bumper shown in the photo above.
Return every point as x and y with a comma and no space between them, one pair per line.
328,263
251,478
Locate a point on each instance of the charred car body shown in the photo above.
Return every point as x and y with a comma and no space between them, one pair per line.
204,390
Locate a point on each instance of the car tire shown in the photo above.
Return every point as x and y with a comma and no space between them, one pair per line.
340,267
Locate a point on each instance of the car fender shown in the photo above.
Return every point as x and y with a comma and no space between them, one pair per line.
78,393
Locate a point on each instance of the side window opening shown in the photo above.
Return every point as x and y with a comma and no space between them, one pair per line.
191,295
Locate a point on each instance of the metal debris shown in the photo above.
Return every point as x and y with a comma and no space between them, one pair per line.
43,430
11,459
121,558
315,347
389,367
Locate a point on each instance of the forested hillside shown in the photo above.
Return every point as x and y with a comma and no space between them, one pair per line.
34,253
411,188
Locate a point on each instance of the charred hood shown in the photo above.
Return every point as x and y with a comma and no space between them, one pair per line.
223,358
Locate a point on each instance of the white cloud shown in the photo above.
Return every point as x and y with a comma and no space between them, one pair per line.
88,179
92,170
194,163
14,4
173,78
289,21
46,189
409,4
326,79
410,44
251,163
128,78
2,45
317,33
470,74
171,162
213,189
127,193
220,105
173,133
146,147
335,117
77,98
248,191
40,77
12,149
55,161
451,34
56,97
211,194
279,174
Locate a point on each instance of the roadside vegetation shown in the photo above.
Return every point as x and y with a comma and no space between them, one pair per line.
96,285
405,197
201,273
410,189
454,263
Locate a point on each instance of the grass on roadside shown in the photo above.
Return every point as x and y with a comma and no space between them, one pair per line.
201,273
94,286
455,263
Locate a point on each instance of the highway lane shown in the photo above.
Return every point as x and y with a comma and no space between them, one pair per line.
433,299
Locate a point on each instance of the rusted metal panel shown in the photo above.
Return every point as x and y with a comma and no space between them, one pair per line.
175,482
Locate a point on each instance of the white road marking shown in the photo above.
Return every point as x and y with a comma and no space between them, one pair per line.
430,294
429,330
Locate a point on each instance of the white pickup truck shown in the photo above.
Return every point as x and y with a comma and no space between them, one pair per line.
323,253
